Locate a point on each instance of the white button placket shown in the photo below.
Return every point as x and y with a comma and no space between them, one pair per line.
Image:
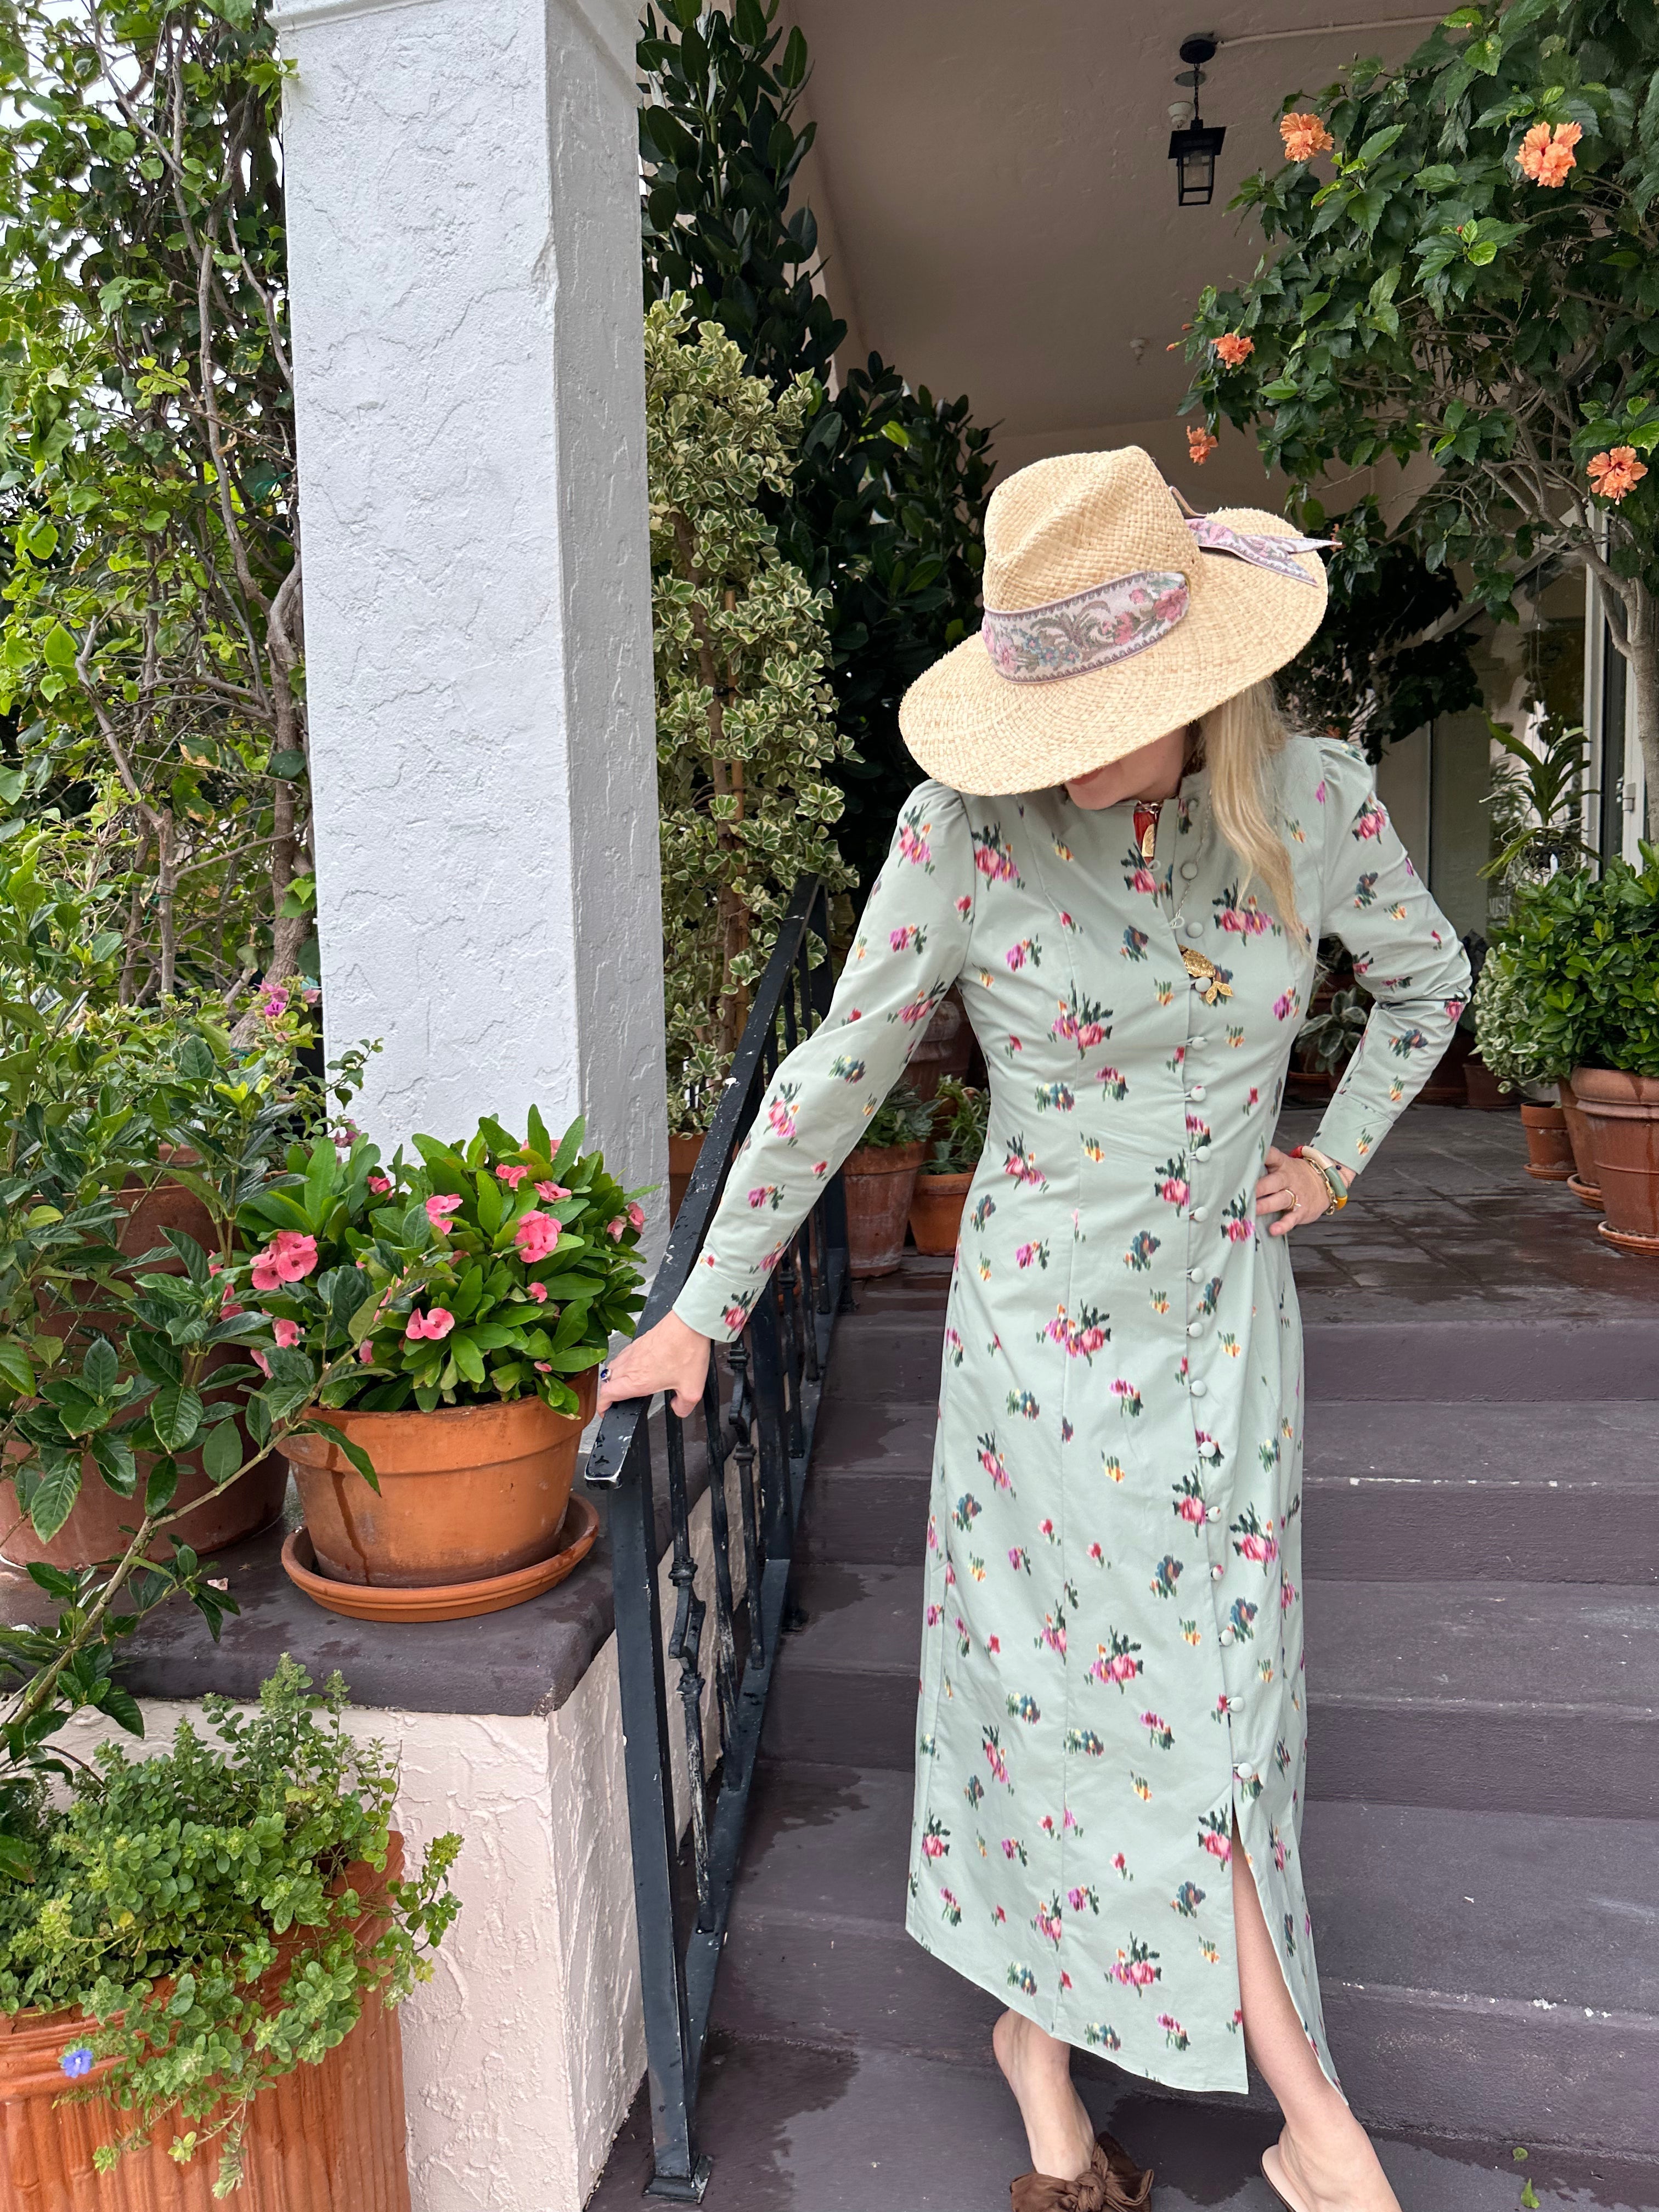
1190,930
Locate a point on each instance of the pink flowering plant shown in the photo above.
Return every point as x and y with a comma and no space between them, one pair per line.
472,1274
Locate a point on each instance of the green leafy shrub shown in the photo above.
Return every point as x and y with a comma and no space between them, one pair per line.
961,1118
1505,1032
884,510
1368,675
151,644
477,1273
745,730
191,1909
1459,266
1580,957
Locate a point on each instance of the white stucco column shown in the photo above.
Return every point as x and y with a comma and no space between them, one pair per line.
464,261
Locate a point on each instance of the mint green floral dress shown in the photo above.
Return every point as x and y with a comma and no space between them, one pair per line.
1112,1663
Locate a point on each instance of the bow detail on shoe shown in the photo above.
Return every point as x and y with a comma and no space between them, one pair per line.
1114,2182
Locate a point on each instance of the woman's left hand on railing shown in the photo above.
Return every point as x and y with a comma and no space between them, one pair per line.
671,1356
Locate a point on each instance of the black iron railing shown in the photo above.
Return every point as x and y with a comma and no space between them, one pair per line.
758,1443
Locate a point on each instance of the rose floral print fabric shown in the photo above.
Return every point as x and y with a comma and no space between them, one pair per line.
1111,1645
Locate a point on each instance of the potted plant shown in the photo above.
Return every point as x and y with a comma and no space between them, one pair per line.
958,1139
460,1303
122,1129
1610,958
879,1178
1504,1039
1337,1008
204,1964
745,723
1549,916
946,1047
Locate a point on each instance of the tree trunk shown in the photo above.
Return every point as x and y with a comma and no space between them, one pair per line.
282,636
1641,648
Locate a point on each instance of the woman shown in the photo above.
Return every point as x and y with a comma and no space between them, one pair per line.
1124,865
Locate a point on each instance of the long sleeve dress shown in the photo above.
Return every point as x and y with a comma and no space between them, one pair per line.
1112,1668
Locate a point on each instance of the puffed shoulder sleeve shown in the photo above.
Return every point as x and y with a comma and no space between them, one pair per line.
1405,955
910,948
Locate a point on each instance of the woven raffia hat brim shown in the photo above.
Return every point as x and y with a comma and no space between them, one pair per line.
1060,527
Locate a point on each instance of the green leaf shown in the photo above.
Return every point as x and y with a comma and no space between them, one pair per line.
55,1581
287,765
162,1483
116,1462
221,1453
122,1708
321,1177
195,1060
55,1493
17,1369
176,1414
468,1359
101,1370
58,648
351,1450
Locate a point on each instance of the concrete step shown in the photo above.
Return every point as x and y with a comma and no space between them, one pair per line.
1554,1492
1483,1976
791,2128
1517,1697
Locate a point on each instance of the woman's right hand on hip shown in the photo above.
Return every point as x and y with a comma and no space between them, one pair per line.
672,1357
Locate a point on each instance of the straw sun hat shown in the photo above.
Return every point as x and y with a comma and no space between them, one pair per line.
1110,618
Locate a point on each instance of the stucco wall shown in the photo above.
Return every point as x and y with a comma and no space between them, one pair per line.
463,253
523,2053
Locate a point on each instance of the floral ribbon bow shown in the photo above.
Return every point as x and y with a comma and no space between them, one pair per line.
1109,622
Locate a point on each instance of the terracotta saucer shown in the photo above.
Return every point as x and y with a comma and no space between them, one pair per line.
1556,1172
1586,1194
578,1532
1630,1240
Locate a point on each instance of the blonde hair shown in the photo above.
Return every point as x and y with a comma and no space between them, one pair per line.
1240,737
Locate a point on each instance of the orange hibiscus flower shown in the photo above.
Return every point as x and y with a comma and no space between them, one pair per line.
1614,473
1304,136
1233,348
1545,157
1199,444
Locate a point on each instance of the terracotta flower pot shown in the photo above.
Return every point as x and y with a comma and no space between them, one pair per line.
466,1493
946,1045
683,1153
1480,1086
93,1529
325,2138
1446,1086
1584,1158
936,1210
878,1179
1549,1148
1622,1114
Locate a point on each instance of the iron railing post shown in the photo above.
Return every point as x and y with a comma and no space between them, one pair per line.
777,1366
653,1827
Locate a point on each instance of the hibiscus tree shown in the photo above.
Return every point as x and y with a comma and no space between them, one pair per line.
1463,262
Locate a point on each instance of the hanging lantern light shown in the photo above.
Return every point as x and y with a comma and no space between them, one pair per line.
1193,146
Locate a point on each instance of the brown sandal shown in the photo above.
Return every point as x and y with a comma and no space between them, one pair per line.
1114,2182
